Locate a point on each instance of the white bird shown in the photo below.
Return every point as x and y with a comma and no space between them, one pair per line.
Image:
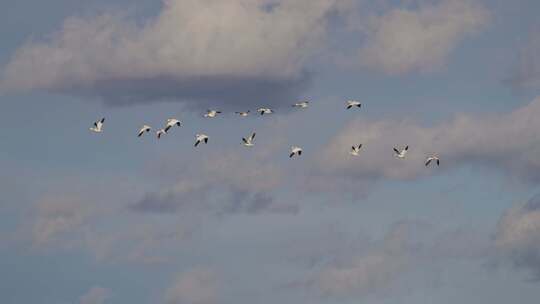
432,158
243,114
171,122
353,103
295,151
98,126
248,141
355,150
211,113
145,128
160,133
200,138
265,111
301,104
401,153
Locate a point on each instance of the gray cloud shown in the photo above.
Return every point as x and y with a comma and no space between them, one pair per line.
518,237
509,142
224,183
403,40
186,53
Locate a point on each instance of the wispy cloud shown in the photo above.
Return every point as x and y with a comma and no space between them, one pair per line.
420,39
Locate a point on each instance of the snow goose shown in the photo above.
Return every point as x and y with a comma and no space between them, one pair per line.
160,133
295,151
211,113
265,111
200,138
301,104
243,114
98,126
432,158
144,129
248,141
171,122
353,103
401,153
355,150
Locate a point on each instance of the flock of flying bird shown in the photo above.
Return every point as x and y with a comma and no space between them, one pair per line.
249,141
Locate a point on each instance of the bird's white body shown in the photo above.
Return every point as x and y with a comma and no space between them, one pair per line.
243,114
295,151
98,126
301,104
401,153
160,133
200,138
171,122
144,129
353,103
355,150
211,113
248,141
432,158
265,111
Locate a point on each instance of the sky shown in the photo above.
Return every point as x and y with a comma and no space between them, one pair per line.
112,218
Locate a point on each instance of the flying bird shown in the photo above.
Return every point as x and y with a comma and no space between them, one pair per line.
200,138
211,113
243,114
295,151
301,104
401,153
160,133
355,150
265,111
353,103
144,129
432,158
98,126
248,141
171,122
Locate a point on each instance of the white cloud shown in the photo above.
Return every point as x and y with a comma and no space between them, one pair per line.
96,295
403,40
193,47
199,286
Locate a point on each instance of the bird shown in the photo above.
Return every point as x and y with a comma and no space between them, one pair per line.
145,128
243,114
353,103
248,142
355,150
265,111
432,158
295,151
200,138
98,126
401,153
160,133
171,122
301,104
211,113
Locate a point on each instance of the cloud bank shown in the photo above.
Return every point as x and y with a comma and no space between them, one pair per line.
235,53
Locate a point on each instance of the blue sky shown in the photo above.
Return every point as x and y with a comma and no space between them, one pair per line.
111,218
